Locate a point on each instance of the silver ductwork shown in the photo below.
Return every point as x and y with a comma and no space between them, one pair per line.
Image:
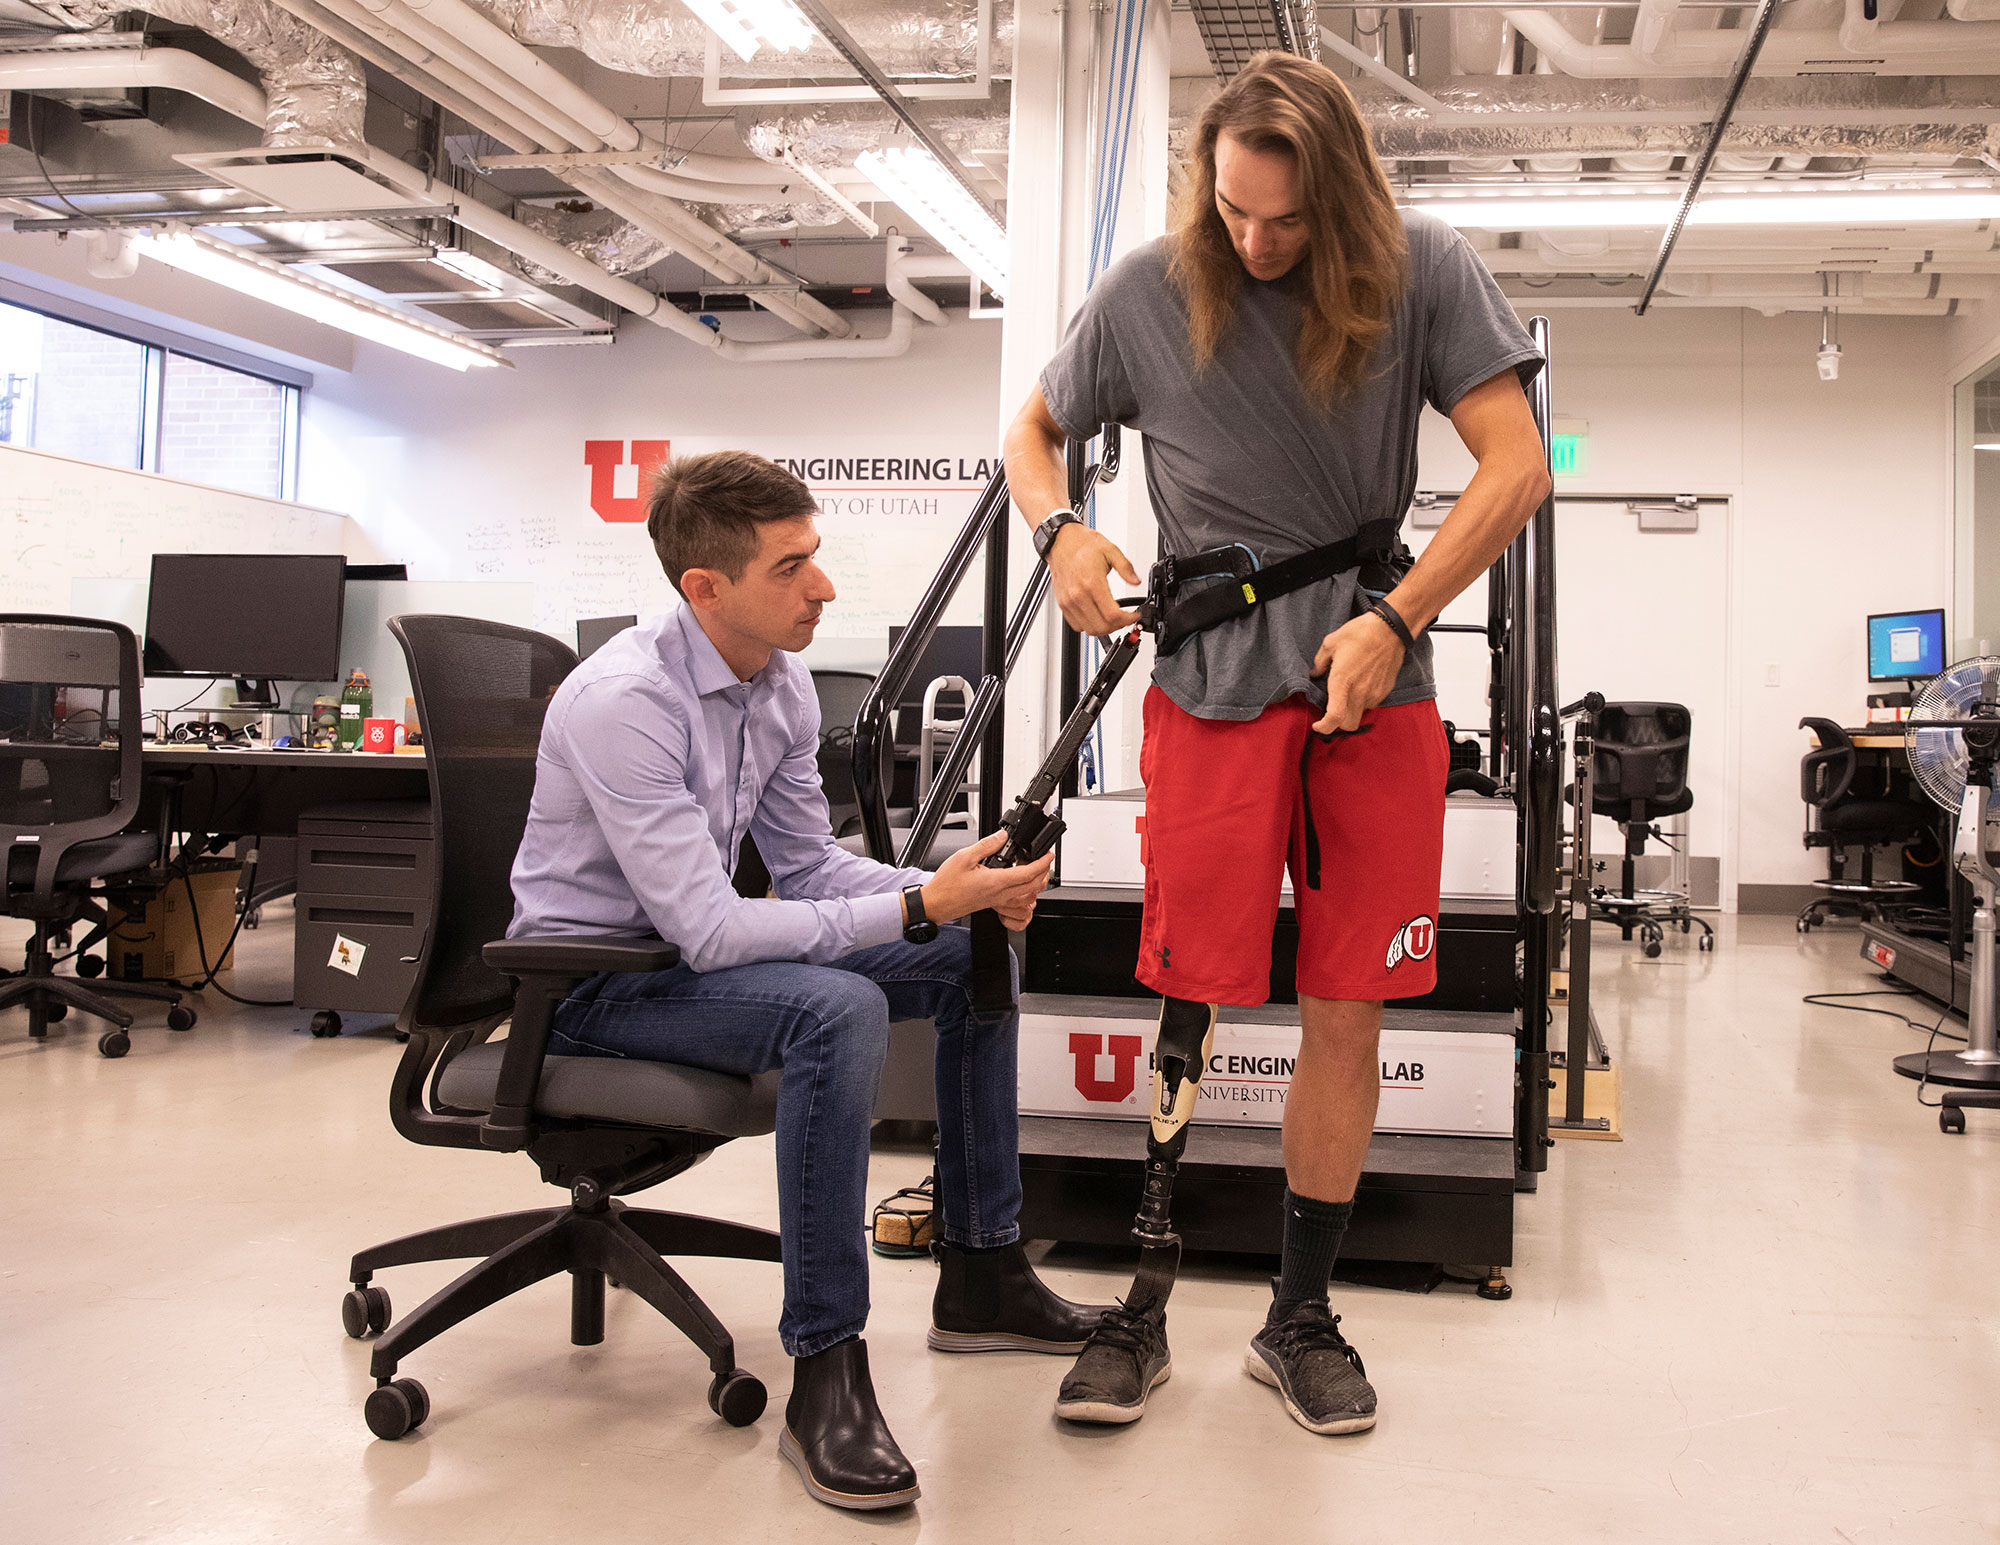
826,137
1524,115
615,245
663,37
317,92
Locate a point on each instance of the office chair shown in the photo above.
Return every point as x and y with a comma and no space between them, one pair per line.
67,684
1638,776
601,1127
840,694
1837,819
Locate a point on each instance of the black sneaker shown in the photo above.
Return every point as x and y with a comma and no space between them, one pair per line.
1304,1356
1119,1365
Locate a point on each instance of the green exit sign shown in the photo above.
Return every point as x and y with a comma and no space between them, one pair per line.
1566,455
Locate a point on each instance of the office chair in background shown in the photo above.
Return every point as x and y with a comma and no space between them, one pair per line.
1838,818
840,694
66,799
1638,777
601,1127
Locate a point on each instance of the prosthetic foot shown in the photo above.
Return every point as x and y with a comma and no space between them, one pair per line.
1127,1354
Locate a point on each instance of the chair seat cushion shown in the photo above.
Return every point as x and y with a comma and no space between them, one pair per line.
1621,809
1892,818
119,854
624,1089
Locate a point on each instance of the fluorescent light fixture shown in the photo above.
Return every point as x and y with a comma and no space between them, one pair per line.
1610,211
913,179
746,25
262,279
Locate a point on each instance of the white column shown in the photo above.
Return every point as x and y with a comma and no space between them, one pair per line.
1064,58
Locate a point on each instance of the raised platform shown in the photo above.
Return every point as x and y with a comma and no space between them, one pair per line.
1432,1199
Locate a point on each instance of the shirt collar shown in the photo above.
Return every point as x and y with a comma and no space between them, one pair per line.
706,667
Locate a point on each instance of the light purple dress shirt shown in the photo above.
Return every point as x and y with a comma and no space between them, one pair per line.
655,760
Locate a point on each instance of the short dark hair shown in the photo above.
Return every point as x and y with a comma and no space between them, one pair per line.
704,511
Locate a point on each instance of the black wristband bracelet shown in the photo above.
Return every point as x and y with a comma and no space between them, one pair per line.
1397,626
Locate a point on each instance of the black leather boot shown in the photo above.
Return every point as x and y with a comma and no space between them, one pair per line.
992,1301
835,1437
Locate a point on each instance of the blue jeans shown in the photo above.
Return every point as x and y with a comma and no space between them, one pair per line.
827,1027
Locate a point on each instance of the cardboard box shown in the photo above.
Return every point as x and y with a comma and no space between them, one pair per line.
156,939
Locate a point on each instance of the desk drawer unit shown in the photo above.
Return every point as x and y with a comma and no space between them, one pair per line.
364,899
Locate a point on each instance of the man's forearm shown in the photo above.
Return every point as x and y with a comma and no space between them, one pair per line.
1490,513
1037,475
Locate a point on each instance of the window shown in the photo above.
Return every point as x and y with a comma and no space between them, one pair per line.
84,392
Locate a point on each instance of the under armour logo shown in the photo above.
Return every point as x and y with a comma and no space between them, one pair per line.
1166,957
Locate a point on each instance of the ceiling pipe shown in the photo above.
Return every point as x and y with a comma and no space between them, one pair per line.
171,69
1651,26
1901,48
436,80
576,121
909,303
181,71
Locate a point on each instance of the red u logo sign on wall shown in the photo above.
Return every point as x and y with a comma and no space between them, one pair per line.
604,458
1124,1051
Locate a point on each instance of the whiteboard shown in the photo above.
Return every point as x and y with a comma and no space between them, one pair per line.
63,520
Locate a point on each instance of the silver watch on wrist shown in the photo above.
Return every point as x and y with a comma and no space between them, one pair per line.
1045,533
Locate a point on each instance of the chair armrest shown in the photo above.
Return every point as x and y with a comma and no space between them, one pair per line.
579,955
547,968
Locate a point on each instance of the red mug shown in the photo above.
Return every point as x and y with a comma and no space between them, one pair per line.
378,734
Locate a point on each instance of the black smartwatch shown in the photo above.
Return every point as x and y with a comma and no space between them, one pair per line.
917,928
1045,533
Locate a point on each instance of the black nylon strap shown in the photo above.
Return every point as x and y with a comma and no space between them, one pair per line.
1394,619
1183,618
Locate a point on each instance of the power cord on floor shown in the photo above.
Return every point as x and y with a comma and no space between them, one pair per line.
1936,1031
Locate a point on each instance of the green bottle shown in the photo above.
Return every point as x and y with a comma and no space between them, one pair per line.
357,702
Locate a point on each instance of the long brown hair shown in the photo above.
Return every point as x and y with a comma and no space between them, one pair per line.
1357,254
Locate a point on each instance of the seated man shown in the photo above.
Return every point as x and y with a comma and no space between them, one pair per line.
658,754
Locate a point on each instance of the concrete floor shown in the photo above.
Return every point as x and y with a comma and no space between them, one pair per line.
1767,1315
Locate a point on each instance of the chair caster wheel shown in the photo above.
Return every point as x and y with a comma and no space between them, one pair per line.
181,1017
1652,948
364,1312
397,1409
1706,942
1951,1120
56,1011
1804,926
325,1025
89,965
113,1043
737,1397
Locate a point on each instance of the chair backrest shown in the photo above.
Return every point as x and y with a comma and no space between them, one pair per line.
840,694
70,731
1642,757
1826,774
482,690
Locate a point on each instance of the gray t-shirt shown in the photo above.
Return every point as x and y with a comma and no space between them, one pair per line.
1238,453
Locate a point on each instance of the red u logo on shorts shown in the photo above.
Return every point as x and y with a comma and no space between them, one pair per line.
1414,941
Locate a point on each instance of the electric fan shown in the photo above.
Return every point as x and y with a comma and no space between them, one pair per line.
1953,738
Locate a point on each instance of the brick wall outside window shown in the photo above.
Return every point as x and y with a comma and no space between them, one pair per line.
222,427
90,395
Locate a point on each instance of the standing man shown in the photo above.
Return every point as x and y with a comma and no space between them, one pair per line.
659,753
1275,350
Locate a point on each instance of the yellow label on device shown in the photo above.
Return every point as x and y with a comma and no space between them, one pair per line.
1250,595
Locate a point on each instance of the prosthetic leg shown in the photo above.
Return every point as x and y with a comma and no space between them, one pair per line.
1180,1057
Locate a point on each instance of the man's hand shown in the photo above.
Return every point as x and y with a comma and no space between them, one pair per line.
1080,561
963,885
1359,661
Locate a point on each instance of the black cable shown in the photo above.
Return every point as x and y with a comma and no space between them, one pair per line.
195,699
1824,1000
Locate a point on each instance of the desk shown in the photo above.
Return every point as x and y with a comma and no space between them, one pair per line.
261,792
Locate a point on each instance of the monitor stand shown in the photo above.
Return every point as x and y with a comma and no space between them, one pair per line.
261,692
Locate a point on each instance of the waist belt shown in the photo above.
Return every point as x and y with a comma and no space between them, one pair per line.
1242,587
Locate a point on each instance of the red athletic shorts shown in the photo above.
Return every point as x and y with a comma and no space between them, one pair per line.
1226,813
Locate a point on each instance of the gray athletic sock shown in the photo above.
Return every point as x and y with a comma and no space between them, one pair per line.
1313,1231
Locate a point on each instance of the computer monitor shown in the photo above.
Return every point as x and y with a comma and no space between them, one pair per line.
1905,645
593,633
261,618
